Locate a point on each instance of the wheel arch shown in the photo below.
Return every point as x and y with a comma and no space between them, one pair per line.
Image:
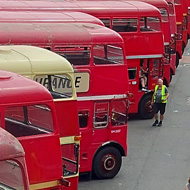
145,94
110,144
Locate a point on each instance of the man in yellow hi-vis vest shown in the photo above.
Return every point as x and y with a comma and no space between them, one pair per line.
159,99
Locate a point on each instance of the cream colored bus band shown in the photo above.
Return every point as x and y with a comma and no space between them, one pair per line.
44,185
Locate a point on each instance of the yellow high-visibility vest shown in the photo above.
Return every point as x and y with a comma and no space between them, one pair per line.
163,93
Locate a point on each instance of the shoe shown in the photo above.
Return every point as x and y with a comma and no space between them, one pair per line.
155,123
160,124
144,89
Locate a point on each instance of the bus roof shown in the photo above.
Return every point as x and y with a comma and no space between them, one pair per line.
132,7
41,16
156,3
57,34
9,146
16,89
30,60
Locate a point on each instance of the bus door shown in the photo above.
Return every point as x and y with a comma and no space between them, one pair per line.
85,114
155,72
134,82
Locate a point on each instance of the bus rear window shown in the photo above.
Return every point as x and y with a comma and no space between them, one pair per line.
125,24
164,14
106,21
79,55
11,177
107,54
150,24
28,120
60,86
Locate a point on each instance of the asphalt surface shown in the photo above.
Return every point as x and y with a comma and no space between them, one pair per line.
158,157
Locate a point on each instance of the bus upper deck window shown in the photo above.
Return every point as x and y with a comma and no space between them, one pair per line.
76,55
106,21
125,24
148,24
132,73
60,86
28,120
164,14
108,54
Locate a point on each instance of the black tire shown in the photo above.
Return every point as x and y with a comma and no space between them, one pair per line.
171,75
107,163
183,47
177,59
145,108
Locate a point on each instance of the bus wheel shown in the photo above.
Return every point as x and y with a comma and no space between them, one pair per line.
171,75
107,163
183,47
177,59
145,108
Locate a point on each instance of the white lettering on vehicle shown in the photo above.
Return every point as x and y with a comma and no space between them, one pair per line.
116,131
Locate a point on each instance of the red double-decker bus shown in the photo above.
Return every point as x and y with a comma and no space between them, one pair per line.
29,114
101,79
182,23
145,28
13,173
168,26
188,28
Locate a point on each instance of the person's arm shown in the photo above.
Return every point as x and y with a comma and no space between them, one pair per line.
152,101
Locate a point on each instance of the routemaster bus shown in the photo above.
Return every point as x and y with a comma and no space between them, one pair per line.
182,23
188,28
57,73
101,78
28,113
117,15
168,27
13,173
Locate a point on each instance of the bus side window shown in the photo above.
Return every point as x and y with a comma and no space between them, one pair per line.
132,73
119,113
108,54
125,24
106,21
149,24
101,113
83,118
76,55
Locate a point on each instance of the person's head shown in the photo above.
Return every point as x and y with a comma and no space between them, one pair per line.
189,180
160,82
